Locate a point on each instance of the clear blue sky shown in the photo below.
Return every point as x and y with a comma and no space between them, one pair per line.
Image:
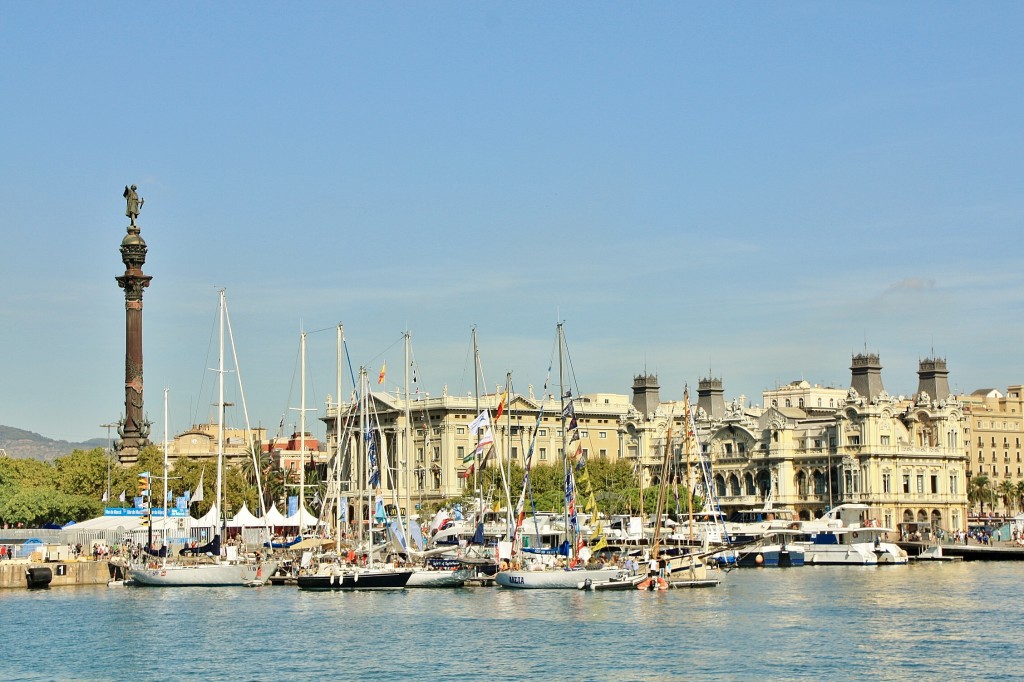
753,189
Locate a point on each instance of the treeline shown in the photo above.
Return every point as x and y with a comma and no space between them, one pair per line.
71,488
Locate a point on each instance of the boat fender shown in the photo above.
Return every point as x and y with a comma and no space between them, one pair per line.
856,535
38,576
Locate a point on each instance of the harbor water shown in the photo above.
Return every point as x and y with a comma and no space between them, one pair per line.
924,621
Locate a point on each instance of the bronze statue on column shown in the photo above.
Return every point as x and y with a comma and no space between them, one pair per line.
133,430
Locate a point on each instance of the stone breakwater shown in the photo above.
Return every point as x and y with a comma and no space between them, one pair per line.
12,573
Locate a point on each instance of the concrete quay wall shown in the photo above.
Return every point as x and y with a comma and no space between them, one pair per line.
12,573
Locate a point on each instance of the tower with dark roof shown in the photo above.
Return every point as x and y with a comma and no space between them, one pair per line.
866,371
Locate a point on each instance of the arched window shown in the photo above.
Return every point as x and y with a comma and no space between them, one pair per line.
734,485
719,485
801,483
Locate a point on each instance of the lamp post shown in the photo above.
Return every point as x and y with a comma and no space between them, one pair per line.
108,427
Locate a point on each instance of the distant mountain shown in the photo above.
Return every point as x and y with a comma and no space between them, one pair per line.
29,445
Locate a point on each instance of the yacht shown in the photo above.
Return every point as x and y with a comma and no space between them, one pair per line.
849,535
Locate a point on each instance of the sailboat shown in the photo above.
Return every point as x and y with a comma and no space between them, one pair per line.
573,573
209,569
333,572
687,570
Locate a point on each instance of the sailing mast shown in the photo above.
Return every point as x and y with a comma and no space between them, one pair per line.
220,430
337,439
476,455
362,465
164,533
302,435
663,483
570,531
408,441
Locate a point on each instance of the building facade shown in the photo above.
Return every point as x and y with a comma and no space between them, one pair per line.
812,448
808,447
993,432
199,442
425,448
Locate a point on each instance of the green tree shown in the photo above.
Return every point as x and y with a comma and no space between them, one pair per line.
37,506
27,473
1008,491
83,472
980,491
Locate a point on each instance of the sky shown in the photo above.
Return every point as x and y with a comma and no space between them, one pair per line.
751,191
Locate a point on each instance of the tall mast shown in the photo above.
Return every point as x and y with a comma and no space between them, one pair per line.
220,420
689,473
337,437
164,534
302,434
362,467
565,443
476,391
663,483
408,438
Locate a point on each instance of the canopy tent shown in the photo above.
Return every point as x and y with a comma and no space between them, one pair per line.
275,518
301,519
210,519
125,524
245,519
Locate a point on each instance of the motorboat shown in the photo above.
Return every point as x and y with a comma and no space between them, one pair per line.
849,535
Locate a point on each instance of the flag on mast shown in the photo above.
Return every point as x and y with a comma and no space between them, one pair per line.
122,498
501,406
383,371
106,496
481,421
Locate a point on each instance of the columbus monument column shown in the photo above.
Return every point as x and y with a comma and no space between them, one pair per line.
133,428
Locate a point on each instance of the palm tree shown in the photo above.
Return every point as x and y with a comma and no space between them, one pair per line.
1008,491
980,492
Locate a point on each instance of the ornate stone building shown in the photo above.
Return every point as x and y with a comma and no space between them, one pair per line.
436,459
809,447
812,448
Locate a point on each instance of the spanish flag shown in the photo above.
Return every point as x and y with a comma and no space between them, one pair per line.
501,406
383,370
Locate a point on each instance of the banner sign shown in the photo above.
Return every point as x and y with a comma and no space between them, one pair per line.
131,511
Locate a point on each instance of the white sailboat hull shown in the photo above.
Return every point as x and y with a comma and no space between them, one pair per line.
435,578
202,575
554,579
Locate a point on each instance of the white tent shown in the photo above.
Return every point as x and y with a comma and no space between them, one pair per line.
275,518
245,519
301,519
210,519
